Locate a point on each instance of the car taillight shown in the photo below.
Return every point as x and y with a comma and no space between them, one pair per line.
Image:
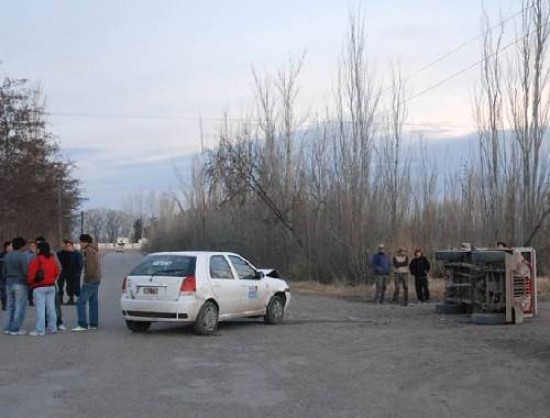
188,285
124,285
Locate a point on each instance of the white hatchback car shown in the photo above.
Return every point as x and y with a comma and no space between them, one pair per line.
202,288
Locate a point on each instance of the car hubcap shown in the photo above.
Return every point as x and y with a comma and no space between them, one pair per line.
277,309
210,318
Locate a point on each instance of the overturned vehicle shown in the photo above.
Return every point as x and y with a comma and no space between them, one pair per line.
495,286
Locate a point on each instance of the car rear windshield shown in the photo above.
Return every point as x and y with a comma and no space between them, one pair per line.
166,265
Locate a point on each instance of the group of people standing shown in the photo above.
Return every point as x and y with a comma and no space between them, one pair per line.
418,267
32,272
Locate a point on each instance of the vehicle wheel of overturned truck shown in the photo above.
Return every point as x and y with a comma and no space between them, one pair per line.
489,318
207,319
275,311
138,326
449,308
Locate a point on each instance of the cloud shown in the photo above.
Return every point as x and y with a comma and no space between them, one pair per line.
108,187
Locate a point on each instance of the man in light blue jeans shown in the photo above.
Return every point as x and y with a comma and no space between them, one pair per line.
88,292
17,295
91,277
44,297
15,270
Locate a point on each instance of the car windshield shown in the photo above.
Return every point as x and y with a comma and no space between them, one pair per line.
166,265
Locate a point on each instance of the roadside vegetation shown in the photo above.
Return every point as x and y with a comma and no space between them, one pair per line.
314,198
364,292
39,193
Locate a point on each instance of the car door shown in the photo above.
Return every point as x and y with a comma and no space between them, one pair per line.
253,288
225,287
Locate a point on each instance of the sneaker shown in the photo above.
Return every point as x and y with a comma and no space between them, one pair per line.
92,328
20,332
79,328
7,332
36,334
62,327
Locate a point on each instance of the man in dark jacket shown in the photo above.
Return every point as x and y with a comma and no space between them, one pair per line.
15,269
71,266
6,249
382,268
419,267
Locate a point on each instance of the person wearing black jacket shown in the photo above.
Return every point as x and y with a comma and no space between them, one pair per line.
419,268
71,267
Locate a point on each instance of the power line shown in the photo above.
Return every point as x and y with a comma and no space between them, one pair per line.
197,118
469,67
414,74
144,117
458,48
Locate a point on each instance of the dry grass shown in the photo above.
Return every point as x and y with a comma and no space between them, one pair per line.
363,291
333,290
543,287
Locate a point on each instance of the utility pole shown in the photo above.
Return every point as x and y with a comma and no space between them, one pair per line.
60,211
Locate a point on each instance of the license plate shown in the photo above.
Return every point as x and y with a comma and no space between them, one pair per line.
150,290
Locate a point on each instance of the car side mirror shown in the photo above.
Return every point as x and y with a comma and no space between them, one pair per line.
258,275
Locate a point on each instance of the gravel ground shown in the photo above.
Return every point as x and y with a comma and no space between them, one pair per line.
331,358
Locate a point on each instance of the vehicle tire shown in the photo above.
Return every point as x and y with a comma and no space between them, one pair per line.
448,308
275,310
207,319
488,318
138,326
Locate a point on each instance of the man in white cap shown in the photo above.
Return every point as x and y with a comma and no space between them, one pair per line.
401,278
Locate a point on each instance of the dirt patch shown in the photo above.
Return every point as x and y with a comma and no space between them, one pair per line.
366,292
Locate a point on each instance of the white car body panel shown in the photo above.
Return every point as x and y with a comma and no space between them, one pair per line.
155,298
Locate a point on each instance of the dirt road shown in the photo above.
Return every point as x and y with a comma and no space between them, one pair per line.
331,358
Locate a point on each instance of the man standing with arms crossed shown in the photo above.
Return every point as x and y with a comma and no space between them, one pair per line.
89,292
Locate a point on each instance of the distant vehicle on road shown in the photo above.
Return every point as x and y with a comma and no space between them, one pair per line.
202,288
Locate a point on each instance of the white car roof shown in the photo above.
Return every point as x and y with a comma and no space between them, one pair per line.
194,253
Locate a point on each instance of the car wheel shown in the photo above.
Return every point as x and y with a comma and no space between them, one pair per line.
488,318
138,326
448,308
207,319
275,311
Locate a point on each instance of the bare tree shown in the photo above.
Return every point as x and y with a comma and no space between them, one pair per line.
357,100
395,167
94,222
494,170
114,221
529,113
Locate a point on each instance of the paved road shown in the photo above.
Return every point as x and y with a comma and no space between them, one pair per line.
331,358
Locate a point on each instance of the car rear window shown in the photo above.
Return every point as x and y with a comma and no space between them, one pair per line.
166,265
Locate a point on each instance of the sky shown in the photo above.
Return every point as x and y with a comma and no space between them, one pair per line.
127,80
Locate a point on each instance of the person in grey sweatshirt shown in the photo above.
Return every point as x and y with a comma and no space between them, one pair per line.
15,270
